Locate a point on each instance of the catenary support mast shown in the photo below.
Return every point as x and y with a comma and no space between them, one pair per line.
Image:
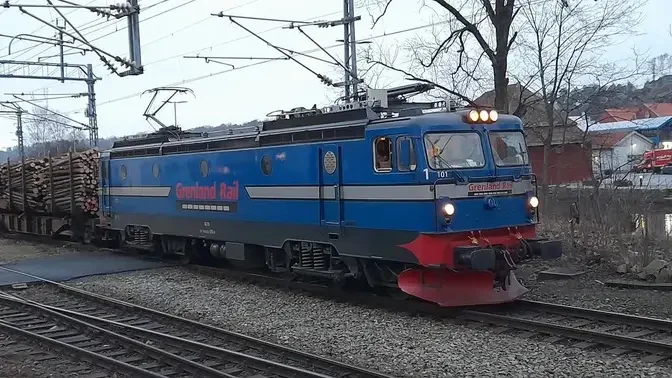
13,69
350,49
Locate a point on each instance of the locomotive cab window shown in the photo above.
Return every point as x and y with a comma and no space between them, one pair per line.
454,150
508,148
406,158
382,149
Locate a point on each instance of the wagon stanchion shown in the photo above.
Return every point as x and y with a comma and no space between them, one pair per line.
72,184
9,186
51,185
23,184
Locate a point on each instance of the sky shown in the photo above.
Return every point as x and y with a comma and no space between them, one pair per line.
171,29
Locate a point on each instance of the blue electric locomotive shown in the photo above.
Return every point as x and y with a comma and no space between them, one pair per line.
440,205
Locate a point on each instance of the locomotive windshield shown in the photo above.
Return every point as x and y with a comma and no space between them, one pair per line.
454,150
508,148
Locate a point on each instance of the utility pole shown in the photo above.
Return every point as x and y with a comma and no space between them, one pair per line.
17,111
350,49
60,47
349,64
91,108
134,41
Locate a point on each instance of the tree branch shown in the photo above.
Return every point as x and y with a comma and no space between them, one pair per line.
375,21
457,33
470,27
411,77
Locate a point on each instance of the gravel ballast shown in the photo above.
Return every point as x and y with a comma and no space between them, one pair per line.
398,344
588,290
22,365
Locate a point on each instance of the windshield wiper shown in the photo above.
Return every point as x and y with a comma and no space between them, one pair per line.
444,161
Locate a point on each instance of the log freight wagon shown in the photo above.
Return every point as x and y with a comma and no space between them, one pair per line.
51,196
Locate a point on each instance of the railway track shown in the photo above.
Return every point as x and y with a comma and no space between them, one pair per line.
145,342
616,333
582,328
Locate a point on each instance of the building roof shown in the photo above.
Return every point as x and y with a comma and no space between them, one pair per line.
535,136
608,140
611,140
660,109
635,124
621,114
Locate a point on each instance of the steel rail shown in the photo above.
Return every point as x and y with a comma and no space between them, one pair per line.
483,315
182,343
489,314
98,359
131,344
597,337
586,313
344,370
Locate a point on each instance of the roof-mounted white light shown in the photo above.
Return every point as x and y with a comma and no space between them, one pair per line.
473,116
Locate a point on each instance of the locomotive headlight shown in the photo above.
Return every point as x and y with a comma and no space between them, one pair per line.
494,115
473,116
484,116
449,209
534,202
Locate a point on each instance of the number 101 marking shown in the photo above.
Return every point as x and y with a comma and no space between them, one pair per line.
441,174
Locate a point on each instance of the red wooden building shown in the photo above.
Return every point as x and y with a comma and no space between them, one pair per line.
569,159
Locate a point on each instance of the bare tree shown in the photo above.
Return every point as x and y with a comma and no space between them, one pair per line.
36,128
562,47
378,59
47,132
489,24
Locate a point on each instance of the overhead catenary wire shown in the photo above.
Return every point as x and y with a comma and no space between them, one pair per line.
86,34
23,51
70,49
213,74
180,55
85,126
142,20
217,73
158,39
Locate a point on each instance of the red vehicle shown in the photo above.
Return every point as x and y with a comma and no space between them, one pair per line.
654,160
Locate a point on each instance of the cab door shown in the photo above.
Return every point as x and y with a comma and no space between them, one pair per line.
330,180
105,205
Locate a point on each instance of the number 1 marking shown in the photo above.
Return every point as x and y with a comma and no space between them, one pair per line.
426,170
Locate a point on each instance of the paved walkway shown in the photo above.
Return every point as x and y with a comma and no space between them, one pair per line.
76,265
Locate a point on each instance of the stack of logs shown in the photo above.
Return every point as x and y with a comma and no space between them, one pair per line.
68,183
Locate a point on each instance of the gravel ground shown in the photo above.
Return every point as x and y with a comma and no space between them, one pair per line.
588,291
13,250
391,342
